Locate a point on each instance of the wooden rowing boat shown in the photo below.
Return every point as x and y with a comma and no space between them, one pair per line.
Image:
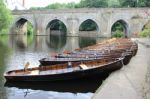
54,61
113,55
65,71
115,49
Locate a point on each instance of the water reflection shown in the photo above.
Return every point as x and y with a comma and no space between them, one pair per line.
57,43
86,41
31,94
79,88
83,85
56,40
23,48
21,42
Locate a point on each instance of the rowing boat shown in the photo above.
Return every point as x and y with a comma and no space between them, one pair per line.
65,71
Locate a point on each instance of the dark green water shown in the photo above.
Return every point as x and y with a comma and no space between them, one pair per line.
16,50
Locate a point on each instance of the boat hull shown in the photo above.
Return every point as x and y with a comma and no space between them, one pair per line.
54,62
69,75
127,59
135,52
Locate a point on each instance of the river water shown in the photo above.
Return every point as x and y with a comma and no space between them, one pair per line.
16,50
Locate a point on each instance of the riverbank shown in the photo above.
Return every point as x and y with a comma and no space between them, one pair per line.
132,81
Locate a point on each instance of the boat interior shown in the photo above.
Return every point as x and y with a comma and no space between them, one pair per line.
63,68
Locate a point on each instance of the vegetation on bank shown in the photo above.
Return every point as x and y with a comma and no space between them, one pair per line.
5,18
118,30
146,31
29,28
118,34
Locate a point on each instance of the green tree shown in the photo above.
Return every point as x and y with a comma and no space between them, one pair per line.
55,6
134,3
93,3
128,3
98,4
71,5
61,5
118,30
5,17
143,3
113,3
146,31
118,34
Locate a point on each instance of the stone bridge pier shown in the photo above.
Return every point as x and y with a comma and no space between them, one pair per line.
132,19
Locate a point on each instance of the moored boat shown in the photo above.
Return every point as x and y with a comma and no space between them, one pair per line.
77,57
65,71
54,61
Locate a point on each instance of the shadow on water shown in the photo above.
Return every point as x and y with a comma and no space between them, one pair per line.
86,41
57,42
75,86
21,42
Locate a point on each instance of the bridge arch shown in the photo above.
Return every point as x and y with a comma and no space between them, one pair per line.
88,22
56,24
90,26
20,25
124,26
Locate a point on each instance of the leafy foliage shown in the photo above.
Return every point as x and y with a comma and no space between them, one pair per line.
134,3
128,3
93,3
58,6
88,25
5,17
98,4
114,3
118,30
146,31
118,34
29,28
117,26
57,25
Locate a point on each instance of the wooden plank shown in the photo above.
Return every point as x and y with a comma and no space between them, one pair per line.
83,66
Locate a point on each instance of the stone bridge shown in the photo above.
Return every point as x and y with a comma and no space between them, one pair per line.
133,19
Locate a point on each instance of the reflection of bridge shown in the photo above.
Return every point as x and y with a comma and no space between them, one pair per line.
133,19
50,43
